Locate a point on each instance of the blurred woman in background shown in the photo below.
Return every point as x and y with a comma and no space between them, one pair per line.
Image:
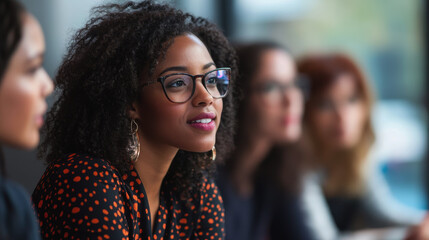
260,181
337,122
24,85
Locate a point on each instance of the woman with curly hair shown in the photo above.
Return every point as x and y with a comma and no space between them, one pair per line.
24,86
130,140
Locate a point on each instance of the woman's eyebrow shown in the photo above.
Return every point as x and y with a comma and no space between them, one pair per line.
174,68
208,65
183,68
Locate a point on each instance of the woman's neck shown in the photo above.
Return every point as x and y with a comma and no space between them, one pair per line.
152,165
247,158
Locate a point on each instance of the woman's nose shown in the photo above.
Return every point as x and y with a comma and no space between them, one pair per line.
201,96
47,84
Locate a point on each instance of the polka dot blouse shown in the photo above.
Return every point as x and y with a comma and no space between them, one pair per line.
80,197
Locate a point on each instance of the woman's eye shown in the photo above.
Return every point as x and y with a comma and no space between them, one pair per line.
354,99
176,83
33,70
212,81
269,87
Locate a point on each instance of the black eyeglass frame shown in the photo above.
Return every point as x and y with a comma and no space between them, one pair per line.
194,77
301,82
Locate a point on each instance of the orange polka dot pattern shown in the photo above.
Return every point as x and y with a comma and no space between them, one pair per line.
80,197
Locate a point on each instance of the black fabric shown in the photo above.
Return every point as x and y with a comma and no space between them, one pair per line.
17,220
269,213
345,211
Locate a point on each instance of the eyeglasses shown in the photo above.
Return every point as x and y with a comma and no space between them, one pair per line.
273,91
180,87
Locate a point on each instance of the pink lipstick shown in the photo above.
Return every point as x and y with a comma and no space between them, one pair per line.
204,121
39,121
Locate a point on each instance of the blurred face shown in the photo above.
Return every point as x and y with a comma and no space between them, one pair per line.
339,115
276,103
191,125
23,89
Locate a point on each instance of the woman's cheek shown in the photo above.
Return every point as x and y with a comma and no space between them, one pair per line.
219,109
24,105
16,114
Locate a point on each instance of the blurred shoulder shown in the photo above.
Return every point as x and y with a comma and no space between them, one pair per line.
16,213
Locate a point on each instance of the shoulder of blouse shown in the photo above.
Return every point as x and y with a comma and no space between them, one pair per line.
75,167
80,196
78,173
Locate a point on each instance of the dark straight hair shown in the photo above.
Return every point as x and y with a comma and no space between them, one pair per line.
280,164
10,36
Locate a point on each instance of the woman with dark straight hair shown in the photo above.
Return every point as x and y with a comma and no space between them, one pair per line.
24,85
260,181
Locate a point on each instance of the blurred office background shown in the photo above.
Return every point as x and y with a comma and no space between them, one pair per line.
386,37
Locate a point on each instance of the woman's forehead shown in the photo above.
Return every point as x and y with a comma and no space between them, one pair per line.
185,51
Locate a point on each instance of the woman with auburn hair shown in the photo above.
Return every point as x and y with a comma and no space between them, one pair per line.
146,95
24,86
337,122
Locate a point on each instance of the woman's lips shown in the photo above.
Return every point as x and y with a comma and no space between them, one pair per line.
39,121
204,126
39,117
204,121
289,120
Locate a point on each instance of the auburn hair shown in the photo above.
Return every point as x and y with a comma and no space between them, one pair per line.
344,171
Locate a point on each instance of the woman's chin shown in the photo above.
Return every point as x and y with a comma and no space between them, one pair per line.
26,142
201,148
30,144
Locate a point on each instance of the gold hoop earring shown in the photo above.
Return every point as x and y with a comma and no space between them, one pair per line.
134,148
213,157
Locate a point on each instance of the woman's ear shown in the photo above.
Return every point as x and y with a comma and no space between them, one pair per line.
133,112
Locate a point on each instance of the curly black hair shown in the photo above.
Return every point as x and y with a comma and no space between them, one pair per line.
10,36
101,77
